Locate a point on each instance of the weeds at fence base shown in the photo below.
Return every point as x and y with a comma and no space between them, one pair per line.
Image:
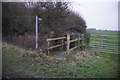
75,59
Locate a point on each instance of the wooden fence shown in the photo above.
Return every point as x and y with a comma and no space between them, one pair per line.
66,41
102,43
55,46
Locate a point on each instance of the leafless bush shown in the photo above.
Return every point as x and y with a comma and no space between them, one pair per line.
28,41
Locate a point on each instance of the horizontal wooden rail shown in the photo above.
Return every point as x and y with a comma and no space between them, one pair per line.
71,49
74,40
55,46
52,39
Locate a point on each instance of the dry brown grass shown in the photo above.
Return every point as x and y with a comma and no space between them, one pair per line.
76,59
84,54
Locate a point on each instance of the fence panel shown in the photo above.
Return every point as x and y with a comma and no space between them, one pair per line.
75,40
104,43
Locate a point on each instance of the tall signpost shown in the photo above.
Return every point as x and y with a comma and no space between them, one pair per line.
37,30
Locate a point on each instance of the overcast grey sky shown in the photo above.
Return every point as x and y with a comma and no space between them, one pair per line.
98,14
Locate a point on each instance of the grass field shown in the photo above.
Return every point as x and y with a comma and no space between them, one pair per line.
102,32
14,66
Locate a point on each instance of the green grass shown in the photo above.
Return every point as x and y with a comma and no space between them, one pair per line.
102,32
18,66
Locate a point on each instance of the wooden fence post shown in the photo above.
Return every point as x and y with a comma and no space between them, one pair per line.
68,46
